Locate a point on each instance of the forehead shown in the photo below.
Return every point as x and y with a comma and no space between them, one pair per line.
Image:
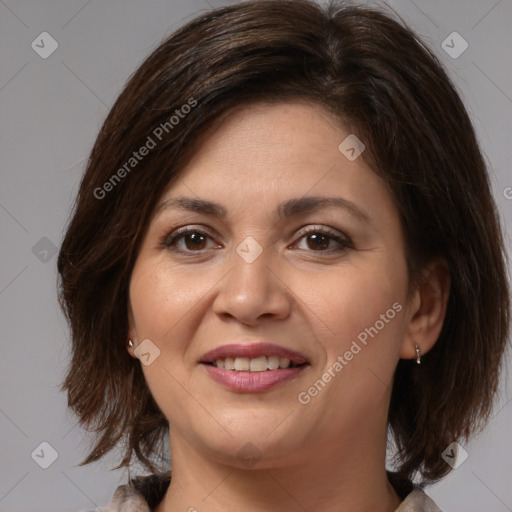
266,153
288,133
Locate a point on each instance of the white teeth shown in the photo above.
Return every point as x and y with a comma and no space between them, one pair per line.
258,364
255,364
273,363
242,364
283,362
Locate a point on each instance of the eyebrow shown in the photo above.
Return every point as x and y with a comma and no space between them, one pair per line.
290,208
194,205
301,205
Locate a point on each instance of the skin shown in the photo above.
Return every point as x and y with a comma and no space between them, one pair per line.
327,455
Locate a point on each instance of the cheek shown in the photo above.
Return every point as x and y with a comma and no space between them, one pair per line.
165,302
363,303
162,298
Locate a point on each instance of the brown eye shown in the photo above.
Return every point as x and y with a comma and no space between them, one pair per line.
323,240
195,241
317,241
189,241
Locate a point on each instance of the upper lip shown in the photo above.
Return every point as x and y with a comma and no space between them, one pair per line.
252,350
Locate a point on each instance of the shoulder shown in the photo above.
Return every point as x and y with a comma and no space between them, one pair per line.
418,501
140,494
143,493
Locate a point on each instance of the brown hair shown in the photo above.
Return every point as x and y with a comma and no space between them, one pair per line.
379,80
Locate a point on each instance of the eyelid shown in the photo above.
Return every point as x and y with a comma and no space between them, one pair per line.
171,237
338,236
195,228
335,234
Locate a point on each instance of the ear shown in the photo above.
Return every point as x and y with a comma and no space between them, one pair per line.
427,310
132,333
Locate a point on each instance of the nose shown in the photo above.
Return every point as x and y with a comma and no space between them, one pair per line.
252,292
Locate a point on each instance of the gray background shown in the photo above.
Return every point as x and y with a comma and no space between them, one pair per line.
50,112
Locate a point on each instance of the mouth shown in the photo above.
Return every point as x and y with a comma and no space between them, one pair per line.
254,357
253,367
255,364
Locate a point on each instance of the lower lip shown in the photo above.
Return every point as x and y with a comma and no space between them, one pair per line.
252,382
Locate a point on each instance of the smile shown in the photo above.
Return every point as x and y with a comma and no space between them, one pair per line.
255,367
256,364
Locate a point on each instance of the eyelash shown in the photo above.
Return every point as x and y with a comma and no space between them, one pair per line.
343,241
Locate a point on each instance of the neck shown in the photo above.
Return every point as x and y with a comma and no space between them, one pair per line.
351,478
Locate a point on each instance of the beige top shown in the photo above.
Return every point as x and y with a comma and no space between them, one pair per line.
128,499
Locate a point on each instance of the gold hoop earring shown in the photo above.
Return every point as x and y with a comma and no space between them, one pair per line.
418,355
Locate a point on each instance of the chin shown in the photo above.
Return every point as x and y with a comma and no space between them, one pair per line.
255,440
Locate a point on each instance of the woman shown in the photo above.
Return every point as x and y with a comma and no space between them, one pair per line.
279,251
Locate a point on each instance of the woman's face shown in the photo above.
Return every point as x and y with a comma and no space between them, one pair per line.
293,255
